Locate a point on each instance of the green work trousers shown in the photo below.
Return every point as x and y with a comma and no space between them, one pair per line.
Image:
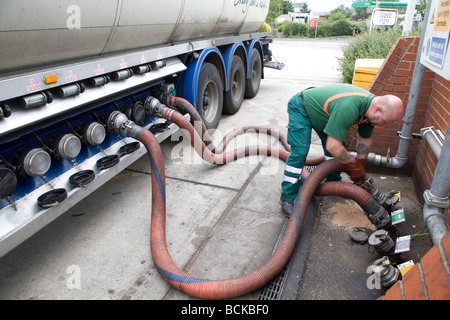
299,138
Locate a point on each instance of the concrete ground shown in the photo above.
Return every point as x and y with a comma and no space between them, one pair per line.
222,221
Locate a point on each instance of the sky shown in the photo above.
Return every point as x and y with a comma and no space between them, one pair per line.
325,5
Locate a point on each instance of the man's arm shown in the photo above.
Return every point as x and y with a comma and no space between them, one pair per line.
354,168
338,151
362,149
363,146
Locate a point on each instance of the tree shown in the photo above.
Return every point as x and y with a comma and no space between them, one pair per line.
337,15
361,13
347,12
287,7
304,8
277,8
422,8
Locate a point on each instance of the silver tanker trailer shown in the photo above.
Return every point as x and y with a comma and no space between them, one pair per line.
67,66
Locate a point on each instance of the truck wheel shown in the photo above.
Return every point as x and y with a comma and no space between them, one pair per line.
233,98
210,95
252,83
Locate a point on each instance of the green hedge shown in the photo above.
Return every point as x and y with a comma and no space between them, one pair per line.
368,45
294,29
324,29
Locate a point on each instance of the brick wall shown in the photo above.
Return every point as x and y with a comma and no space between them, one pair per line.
429,279
433,109
394,77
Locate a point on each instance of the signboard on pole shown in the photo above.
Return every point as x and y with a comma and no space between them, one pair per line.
435,53
312,23
384,17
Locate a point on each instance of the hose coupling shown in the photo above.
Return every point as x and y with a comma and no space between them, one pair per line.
385,273
368,184
154,107
382,242
167,92
377,214
165,99
119,124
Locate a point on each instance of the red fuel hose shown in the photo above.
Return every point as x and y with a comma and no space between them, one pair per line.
228,288
186,106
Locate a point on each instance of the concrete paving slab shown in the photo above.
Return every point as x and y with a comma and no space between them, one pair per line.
247,234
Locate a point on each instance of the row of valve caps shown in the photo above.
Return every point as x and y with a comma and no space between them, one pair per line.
37,161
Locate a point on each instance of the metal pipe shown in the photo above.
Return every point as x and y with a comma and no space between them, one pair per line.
436,199
436,223
409,17
408,121
434,141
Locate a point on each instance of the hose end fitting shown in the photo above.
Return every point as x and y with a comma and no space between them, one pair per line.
377,215
155,108
368,184
119,124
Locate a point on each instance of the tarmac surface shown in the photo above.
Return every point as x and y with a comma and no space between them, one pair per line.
222,221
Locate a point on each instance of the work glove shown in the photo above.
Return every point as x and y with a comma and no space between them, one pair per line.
363,162
355,170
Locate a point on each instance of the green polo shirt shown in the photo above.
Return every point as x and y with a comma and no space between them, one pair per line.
334,109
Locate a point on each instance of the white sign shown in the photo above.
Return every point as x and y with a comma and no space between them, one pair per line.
384,17
435,53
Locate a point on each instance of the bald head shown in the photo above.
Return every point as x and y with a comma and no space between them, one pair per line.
385,109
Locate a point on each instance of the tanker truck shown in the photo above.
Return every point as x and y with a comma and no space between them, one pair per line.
69,67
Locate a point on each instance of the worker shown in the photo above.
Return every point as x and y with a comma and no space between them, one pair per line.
331,111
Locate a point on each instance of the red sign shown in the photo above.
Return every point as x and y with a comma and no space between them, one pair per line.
312,23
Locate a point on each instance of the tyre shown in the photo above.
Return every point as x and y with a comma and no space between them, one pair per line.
252,83
210,95
232,99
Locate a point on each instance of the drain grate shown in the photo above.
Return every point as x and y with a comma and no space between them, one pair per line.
273,290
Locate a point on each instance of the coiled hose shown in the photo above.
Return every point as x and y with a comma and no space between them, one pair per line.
228,288
186,106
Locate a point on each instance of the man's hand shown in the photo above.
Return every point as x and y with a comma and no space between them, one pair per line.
355,170
354,167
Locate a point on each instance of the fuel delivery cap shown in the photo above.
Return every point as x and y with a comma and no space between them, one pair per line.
31,162
66,146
